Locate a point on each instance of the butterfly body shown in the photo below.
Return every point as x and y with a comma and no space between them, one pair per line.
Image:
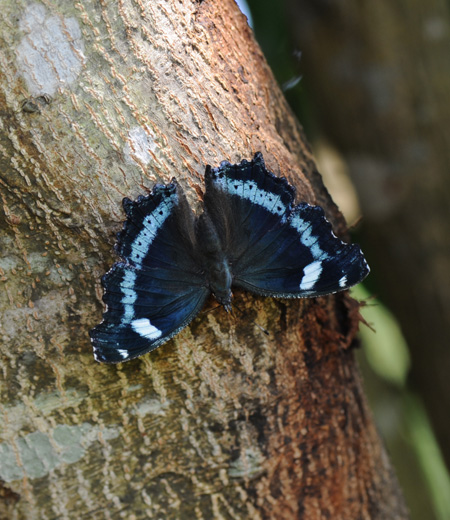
216,267
250,235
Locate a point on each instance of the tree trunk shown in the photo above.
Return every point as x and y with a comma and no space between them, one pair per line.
98,101
380,77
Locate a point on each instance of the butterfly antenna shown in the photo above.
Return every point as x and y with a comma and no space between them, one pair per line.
211,309
262,329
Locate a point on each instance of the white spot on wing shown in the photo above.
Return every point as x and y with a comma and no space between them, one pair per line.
123,352
50,55
145,329
138,146
311,273
343,281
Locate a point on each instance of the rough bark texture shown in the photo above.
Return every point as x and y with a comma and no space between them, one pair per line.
99,100
380,77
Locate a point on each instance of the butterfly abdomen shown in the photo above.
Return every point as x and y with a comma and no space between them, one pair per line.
216,266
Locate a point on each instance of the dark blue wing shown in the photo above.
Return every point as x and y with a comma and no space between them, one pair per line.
275,248
159,288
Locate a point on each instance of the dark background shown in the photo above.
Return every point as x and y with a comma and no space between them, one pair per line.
370,83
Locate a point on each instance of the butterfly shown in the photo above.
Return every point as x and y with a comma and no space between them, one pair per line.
250,235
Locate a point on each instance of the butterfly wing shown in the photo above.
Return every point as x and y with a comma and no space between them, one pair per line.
275,248
159,287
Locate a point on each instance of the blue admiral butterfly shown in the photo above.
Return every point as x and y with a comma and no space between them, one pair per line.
250,235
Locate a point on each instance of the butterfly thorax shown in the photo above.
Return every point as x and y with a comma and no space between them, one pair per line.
215,263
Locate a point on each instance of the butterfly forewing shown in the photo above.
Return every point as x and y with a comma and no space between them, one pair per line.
153,222
159,288
246,202
277,249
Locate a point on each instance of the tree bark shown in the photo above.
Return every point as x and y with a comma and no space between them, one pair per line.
379,75
98,101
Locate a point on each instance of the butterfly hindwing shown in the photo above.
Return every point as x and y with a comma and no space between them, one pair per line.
158,288
143,311
275,248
